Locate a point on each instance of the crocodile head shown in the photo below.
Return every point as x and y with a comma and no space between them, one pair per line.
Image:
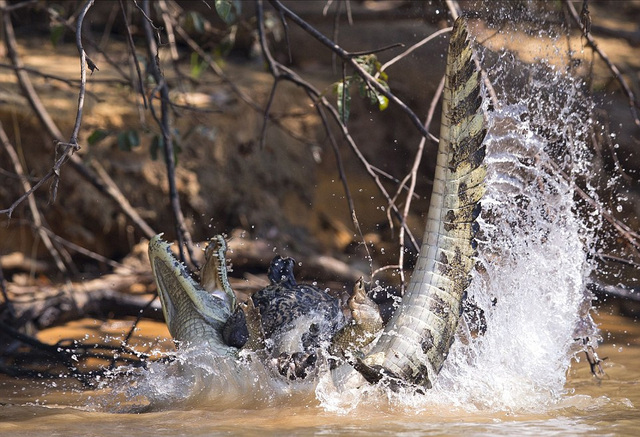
195,313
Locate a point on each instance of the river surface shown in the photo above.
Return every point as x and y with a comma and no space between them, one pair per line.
520,377
590,406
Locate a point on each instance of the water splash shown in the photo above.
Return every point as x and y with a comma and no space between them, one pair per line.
193,378
530,283
533,268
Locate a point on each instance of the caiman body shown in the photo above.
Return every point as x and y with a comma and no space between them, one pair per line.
415,342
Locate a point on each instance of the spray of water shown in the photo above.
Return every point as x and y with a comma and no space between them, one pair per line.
529,285
532,270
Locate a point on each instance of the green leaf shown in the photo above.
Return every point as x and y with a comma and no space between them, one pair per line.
228,10
57,32
383,101
97,136
197,66
128,139
194,22
344,100
133,138
367,92
157,143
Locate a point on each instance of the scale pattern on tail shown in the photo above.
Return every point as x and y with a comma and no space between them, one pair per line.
417,339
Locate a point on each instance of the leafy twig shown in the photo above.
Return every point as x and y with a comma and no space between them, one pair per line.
349,58
317,97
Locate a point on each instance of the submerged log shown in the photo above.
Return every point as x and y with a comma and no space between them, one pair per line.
107,296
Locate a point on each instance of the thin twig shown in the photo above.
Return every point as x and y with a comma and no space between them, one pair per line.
242,95
115,65
349,59
35,213
614,154
132,50
629,234
267,110
84,60
414,47
9,211
318,98
164,122
395,180
86,252
73,141
378,50
125,343
608,257
110,188
633,102
70,82
33,342
397,267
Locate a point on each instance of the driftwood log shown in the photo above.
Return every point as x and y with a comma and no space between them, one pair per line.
107,296
129,291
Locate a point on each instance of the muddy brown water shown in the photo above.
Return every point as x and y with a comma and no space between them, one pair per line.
607,406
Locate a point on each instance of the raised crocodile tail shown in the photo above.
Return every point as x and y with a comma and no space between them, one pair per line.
416,341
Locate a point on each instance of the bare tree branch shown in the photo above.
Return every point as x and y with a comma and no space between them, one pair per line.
35,213
132,50
633,102
53,131
164,123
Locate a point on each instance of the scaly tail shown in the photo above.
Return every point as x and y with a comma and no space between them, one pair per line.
416,340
